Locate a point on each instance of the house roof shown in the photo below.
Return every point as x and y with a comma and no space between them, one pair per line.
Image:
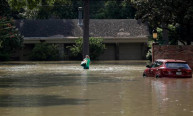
62,28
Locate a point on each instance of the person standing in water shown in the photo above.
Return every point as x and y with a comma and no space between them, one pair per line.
86,62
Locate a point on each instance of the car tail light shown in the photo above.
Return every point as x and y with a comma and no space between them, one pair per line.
189,71
165,71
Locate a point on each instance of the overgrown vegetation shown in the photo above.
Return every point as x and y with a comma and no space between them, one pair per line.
166,13
160,41
96,48
10,38
45,52
173,19
68,9
157,13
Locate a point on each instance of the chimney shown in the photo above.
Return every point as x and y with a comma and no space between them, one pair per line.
80,16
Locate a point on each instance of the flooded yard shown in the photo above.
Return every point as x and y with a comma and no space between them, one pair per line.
114,88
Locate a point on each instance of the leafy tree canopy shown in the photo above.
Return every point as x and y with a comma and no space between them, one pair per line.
68,9
168,12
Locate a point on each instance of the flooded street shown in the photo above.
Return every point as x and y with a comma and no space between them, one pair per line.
106,89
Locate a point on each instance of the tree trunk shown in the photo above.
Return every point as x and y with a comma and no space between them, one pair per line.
188,34
165,34
86,28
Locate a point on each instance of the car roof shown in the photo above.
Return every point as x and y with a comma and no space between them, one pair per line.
170,60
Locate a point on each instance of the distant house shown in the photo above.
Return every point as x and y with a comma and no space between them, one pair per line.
125,39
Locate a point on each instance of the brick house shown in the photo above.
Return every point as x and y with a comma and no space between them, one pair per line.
125,39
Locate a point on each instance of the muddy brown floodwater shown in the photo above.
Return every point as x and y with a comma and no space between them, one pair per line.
114,88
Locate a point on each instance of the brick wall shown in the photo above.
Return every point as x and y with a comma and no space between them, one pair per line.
173,52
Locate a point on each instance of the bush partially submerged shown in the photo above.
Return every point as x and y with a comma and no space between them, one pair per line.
96,47
45,52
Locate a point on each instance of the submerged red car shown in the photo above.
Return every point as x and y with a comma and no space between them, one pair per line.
168,68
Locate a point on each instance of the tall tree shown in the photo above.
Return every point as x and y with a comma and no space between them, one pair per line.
67,9
127,11
183,12
86,28
4,8
32,8
117,9
157,13
162,13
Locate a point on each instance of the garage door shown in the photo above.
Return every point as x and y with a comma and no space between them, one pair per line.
130,51
109,53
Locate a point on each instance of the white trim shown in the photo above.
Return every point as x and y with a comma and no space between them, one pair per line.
31,40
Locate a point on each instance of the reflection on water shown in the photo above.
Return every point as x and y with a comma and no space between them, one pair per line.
113,88
37,101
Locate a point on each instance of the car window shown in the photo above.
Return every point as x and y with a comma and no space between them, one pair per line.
157,64
177,65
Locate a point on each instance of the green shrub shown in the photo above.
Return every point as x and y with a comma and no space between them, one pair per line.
45,52
149,55
4,56
10,38
96,47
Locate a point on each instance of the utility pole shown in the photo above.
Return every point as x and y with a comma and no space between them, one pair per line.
86,28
